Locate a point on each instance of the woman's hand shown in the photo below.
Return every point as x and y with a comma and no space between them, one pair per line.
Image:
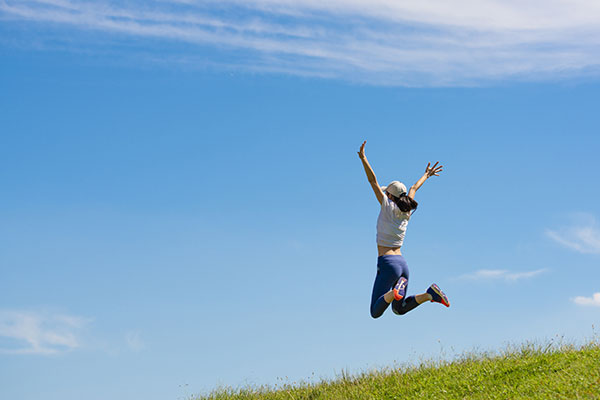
361,152
429,172
432,171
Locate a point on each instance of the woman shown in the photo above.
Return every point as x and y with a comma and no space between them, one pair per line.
391,281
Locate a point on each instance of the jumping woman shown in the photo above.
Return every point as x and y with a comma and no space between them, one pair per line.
391,281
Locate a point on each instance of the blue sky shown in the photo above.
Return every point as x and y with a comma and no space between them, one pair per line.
183,206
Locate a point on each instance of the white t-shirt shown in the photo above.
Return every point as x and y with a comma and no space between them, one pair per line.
391,224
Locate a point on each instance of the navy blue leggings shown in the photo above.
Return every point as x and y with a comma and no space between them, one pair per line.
389,269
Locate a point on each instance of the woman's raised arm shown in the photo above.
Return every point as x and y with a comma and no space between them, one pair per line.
429,172
370,174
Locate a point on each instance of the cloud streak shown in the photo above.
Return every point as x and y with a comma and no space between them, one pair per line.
37,333
134,341
583,238
588,301
502,274
389,42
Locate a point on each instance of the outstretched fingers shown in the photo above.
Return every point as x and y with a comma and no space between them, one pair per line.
434,170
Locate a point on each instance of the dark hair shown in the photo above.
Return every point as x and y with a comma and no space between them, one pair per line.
405,203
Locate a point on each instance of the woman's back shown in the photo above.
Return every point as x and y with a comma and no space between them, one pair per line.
391,224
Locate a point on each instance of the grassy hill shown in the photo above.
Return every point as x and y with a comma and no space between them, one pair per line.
529,372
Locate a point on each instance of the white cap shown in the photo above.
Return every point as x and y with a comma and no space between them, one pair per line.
395,188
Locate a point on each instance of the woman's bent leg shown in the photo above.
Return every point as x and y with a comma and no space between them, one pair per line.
389,269
401,307
382,285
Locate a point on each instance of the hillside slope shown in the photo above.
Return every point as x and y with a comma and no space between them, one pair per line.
530,372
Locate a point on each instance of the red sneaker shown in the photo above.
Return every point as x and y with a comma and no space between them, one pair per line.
437,296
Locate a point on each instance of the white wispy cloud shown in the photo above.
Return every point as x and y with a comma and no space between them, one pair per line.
501,274
394,42
25,332
588,301
134,341
583,237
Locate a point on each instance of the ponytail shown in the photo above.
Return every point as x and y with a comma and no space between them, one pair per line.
405,203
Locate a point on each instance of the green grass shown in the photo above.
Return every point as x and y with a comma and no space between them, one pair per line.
527,372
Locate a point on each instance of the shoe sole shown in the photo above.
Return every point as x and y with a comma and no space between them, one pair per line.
442,295
397,297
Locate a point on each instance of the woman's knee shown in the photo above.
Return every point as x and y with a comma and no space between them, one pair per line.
398,310
375,313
